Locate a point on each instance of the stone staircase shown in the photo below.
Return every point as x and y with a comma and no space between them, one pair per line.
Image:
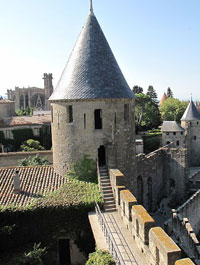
106,189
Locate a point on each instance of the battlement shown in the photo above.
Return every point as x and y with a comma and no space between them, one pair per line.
153,241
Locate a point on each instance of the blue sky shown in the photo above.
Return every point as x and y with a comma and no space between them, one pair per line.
156,42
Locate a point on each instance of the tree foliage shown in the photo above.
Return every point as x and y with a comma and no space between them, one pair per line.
172,109
147,114
31,145
100,257
24,112
83,170
169,93
137,90
151,92
33,161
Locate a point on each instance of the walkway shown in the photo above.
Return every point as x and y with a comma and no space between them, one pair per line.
123,241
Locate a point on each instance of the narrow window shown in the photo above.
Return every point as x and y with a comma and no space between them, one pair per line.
197,122
195,137
70,112
115,120
181,133
126,112
98,118
84,121
174,133
137,227
177,143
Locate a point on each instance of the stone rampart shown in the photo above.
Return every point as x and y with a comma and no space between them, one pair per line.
12,159
158,247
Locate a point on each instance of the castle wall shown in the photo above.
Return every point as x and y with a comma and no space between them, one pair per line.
73,139
157,246
7,109
12,159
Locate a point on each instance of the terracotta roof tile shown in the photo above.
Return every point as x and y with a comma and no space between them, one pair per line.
25,120
35,182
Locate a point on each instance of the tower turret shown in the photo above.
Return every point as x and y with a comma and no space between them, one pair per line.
48,87
93,106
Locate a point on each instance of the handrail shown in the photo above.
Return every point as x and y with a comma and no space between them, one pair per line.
114,250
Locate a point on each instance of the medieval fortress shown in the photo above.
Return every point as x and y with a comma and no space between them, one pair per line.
92,112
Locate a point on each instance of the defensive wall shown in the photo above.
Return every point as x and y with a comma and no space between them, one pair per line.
12,159
184,225
160,174
158,247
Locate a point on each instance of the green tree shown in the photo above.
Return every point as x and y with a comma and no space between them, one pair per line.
84,169
147,113
24,112
31,145
137,90
33,161
169,93
100,257
151,92
172,109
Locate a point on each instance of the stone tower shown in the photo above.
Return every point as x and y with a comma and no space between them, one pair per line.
48,88
93,106
191,123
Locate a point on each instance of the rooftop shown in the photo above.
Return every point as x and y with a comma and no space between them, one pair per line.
25,120
92,71
171,126
191,113
35,182
6,101
162,100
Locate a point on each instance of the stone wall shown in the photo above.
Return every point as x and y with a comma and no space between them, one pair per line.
12,159
162,173
72,139
158,247
7,109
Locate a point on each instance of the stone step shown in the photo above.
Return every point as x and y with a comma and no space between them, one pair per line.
108,202
106,188
105,184
110,210
108,195
105,180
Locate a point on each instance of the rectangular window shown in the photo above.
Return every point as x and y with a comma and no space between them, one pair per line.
174,133
195,137
181,133
36,131
84,121
177,143
126,112
70,113
98,118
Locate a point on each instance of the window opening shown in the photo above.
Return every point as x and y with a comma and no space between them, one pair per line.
126,112
98,118
174,133
64,252
102,156
70,111
140,190
177,143
84,121
195,137
115,120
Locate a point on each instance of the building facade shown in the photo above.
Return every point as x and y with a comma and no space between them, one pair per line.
32,97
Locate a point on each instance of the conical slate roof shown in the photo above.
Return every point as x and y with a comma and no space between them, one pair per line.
191,113
92,71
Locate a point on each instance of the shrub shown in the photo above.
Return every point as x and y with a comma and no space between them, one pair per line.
84,170
100,257
31,145
33,161
151,143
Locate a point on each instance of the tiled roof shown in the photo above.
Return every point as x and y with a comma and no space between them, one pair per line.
92,71
25,120
35,182
171,126
191,113
5,101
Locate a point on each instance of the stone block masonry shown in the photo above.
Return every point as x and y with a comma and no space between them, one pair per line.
158,247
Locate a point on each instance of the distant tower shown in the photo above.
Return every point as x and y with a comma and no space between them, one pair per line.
48,87
93,107
191,123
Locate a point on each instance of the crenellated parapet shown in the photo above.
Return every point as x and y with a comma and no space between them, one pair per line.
158,247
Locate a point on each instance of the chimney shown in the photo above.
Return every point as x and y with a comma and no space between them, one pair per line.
16,182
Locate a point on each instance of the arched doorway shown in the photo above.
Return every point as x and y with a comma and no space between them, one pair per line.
140,190
149,184
102,155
